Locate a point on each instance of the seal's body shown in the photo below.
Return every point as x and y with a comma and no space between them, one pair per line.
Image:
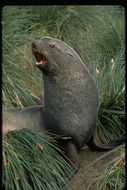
17,118
75,110
70,94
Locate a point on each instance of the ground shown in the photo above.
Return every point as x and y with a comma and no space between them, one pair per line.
86,174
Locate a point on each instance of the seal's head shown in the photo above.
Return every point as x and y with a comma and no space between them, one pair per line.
50,53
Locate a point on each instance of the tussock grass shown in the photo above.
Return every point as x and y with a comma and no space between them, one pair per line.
110,80
33,160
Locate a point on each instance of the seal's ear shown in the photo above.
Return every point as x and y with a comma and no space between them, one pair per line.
69,53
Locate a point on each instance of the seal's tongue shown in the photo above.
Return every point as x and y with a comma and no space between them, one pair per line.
41,59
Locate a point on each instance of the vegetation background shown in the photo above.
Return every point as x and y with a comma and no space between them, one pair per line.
97,33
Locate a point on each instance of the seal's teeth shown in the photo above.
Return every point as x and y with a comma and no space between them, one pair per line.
39,63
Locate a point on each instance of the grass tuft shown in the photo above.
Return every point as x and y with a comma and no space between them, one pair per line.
110,79
113,176
33,160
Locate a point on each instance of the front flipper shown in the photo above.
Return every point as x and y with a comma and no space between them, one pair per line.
71,152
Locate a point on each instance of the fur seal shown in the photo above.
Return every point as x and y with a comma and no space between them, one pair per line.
31,117
71,98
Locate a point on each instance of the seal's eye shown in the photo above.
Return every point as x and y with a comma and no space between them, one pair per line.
52,45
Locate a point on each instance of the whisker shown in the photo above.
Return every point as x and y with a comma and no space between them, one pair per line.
51,59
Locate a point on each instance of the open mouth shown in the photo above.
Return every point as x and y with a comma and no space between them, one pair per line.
40,58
